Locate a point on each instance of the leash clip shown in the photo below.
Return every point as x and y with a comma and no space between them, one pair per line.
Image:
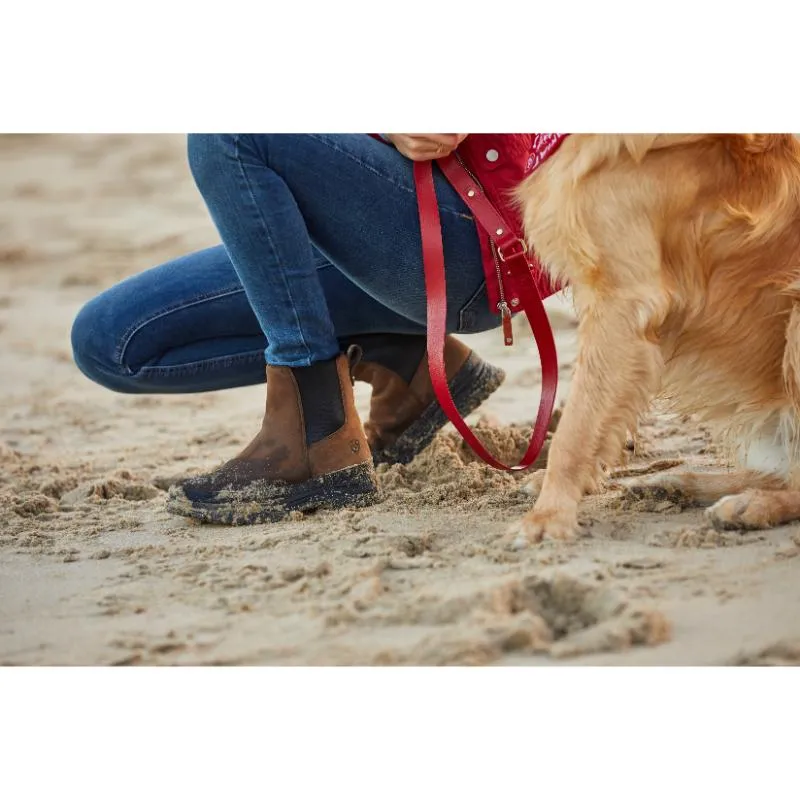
523,250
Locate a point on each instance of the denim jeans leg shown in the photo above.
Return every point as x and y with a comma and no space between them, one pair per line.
276,197
267,241
187,326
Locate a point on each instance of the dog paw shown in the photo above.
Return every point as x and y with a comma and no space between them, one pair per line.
655,488
536,526
739,512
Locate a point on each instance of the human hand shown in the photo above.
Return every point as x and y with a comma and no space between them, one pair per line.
426,146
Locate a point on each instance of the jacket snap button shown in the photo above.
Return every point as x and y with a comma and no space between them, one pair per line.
492,155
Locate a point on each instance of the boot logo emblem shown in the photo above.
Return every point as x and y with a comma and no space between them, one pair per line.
355,445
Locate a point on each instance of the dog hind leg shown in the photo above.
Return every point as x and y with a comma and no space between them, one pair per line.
755,509
698,488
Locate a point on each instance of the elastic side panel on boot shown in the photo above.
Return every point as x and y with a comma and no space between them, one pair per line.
399,353
321,398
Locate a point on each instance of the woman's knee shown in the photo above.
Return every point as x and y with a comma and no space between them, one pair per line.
94,347
206,152
212,155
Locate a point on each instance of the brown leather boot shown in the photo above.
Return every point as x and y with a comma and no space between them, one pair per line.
310,453
404,413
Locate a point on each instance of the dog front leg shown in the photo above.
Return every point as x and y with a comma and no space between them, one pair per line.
617,372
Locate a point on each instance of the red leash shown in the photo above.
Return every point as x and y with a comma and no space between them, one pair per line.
515,271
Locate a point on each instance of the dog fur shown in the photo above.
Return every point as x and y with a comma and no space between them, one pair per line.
683,256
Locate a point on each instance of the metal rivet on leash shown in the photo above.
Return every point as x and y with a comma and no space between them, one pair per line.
515,301
499,231
471,193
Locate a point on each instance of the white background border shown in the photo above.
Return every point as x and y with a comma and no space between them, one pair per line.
282,66
407,733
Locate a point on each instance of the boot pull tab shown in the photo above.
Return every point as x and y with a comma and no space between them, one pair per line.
354,356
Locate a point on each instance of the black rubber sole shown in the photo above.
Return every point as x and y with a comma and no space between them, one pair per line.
470,386
264,501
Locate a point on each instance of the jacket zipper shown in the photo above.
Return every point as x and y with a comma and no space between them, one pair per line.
502,306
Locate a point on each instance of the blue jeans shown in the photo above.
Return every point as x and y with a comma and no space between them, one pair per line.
321,242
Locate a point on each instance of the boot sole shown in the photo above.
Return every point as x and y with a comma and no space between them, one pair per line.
470,386
262,501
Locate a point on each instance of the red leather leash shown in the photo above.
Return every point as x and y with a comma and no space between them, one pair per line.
514,265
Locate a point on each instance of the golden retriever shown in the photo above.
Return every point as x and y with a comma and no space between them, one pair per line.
683,255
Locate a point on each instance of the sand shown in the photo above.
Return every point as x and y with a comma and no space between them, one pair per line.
94,571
